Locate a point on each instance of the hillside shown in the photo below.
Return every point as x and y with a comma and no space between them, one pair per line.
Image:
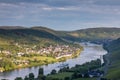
114,57
28,35
39,36
92,34
25,47
39,33
19,39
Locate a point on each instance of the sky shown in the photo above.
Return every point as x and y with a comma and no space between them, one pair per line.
60,14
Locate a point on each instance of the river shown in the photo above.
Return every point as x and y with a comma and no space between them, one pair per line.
90,52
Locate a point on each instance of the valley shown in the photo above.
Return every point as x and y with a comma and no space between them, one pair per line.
85,56
22,47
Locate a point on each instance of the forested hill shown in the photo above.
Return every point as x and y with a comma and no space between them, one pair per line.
26,47
93,34
15,39
114,57
46,35
9,34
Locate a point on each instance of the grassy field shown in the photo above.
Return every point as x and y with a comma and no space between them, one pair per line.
39,58
113,73
114,57
61,75
85,79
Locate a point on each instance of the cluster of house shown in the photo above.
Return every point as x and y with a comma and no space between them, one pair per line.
5,52
92,73
57,51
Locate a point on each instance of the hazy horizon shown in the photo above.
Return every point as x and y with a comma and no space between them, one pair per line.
52,28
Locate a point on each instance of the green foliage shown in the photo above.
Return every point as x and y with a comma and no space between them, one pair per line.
61,75
76,75
41,77
114,74
31,76
14,40
67,78
86,66
92,34
65,69
53,71
41,71
114,57
86,79
18,78
29,36
6,64
26,78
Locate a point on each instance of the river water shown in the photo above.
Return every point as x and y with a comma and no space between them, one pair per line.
90,52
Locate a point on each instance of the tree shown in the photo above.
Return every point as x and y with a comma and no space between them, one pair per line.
49,78
86,75
65,69
103,79
26,78
41,71
18,78
53,71
6,64
41,77
67,78
31,76
75,75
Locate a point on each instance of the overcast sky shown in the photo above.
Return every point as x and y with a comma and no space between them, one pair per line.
60,14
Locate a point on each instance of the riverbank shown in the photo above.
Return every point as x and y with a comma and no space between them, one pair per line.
33,61
69,56
112,67
76,72
90,52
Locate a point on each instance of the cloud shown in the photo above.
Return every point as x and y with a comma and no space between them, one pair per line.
90,6
61,12
107,2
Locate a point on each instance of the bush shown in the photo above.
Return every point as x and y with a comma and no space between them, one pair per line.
53,71
31,76
67,78
103,79
26,78
41,77
41,71
18,78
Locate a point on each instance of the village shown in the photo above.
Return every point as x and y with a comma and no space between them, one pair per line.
50,51
23,57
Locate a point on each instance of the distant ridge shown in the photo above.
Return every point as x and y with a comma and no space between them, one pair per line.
97,35
44,29
12,27
100,34
34,35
